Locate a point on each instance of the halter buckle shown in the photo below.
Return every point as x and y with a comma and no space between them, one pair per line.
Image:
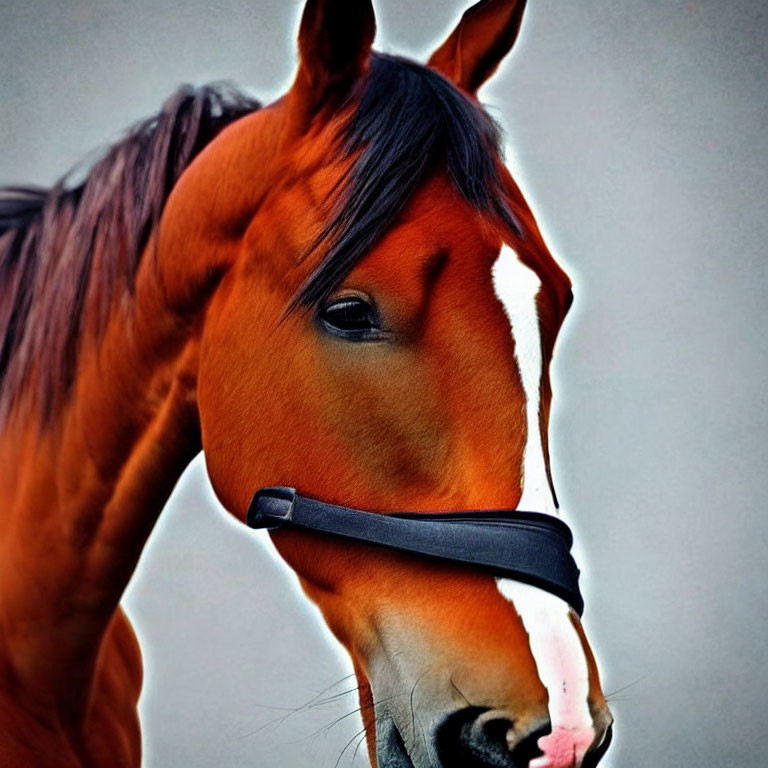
271,507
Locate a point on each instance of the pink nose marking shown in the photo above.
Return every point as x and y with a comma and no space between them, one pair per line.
563,748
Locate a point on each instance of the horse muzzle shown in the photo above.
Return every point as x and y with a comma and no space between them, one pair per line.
474,737
460,670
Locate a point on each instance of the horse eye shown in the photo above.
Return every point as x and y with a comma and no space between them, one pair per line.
350,317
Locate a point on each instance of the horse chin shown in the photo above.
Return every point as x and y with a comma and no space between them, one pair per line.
390,747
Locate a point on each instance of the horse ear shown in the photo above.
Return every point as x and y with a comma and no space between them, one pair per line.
483,37
335,39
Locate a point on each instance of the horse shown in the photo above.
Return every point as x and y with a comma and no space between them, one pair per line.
344,292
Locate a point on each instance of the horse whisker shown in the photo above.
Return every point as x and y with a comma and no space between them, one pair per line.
310,704
625,687
457,689
347,746
357,710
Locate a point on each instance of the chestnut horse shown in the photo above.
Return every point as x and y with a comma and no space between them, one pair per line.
344,291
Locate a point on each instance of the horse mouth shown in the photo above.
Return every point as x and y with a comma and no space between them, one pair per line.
593,758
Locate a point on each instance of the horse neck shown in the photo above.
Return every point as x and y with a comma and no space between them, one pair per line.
80,494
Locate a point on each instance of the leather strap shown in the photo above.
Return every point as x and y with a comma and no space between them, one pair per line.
526,546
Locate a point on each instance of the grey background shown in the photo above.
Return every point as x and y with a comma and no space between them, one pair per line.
640,135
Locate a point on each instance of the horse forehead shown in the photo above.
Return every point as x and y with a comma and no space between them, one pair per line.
437,219
435,216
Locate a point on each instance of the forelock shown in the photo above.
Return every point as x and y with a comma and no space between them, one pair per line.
405,123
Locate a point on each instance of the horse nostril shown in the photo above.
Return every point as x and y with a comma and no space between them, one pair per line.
497,731
460,744
527,748
478,738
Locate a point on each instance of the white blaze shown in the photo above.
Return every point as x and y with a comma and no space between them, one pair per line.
562,668
554,642
517,286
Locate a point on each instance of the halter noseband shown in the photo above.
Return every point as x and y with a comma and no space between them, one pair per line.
526,546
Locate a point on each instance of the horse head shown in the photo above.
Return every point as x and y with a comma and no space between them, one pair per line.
380,336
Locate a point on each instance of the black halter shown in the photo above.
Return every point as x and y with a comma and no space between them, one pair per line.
525,546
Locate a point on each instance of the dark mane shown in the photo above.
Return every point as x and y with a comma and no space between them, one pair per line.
49,238
409,122
64,247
